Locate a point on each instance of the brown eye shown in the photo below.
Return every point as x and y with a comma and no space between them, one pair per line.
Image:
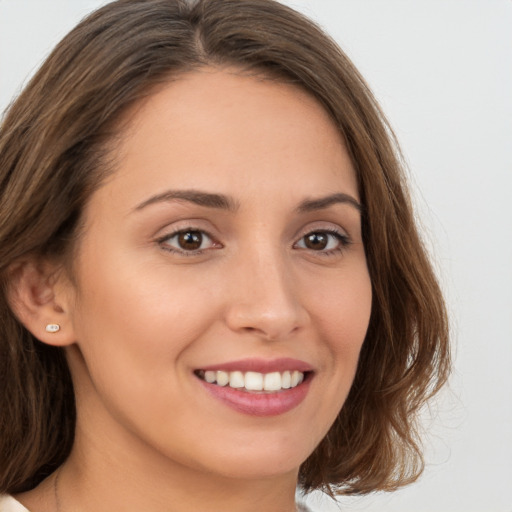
190,240
325,242
316,241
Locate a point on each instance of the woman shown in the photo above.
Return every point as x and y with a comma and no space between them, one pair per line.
213,287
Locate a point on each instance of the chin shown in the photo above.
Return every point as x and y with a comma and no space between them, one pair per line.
261,462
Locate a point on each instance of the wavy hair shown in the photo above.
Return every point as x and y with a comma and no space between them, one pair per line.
57,142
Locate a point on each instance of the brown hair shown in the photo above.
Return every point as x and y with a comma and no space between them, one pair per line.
54,149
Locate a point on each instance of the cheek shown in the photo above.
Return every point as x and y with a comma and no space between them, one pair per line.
341,317
134,331
341,308
131,321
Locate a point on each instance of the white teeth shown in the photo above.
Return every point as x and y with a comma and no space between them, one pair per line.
222,378
286,380
210,376
297,378
254,381
236,380
272,381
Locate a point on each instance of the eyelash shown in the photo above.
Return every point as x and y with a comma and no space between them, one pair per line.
343,240
182,252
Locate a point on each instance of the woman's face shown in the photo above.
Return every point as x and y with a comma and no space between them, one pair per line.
226,245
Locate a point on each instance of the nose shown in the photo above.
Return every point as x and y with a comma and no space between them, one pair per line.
264,298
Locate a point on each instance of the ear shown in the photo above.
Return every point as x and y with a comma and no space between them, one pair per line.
41,295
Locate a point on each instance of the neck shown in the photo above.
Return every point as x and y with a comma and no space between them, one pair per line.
82,491
91,480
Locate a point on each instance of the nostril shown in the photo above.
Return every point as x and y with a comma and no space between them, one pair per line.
273,316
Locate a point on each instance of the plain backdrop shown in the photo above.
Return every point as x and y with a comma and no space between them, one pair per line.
442,70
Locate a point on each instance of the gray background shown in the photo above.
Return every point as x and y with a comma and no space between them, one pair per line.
442,70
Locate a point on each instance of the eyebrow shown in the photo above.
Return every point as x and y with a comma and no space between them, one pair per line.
321,203
223,202
206,199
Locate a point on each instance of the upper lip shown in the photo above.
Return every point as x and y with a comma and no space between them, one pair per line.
261,365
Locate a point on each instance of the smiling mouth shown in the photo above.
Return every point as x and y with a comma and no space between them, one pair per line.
254,382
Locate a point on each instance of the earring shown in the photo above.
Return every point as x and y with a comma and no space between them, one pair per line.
52,328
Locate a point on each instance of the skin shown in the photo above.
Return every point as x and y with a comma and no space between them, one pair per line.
141,313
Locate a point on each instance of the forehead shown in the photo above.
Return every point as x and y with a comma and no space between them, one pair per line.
215,127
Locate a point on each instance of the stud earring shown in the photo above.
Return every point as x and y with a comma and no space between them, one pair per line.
52,328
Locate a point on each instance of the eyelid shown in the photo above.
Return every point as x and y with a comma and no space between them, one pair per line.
340,234
186,228
325,226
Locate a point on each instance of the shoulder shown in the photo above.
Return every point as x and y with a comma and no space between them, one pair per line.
9,504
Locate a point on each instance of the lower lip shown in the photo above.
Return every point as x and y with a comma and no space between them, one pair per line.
260,404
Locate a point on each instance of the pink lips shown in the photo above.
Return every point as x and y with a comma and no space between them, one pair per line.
262,365
260,403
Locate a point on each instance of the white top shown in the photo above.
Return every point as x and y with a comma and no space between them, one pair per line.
9,504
